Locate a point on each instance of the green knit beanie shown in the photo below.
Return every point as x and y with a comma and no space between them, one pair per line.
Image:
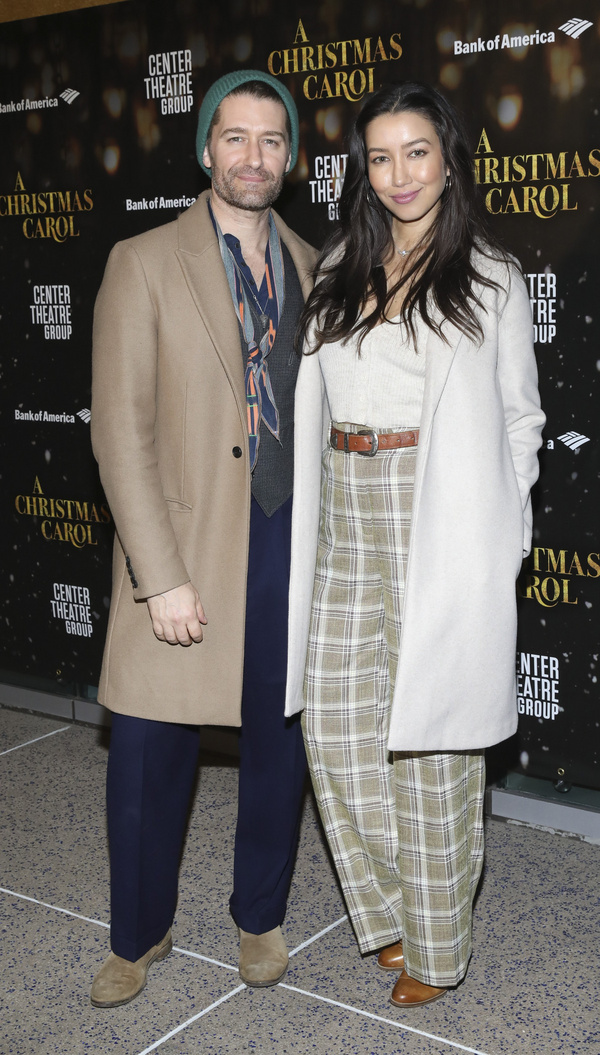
217,92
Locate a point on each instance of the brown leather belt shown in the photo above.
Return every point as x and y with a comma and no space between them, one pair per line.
368,442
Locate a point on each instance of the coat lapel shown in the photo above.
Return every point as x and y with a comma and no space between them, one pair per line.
440,356
439,359
304,257
202,266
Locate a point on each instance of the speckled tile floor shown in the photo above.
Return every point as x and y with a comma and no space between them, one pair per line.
532,987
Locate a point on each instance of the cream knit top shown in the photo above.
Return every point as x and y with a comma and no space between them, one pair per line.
383,386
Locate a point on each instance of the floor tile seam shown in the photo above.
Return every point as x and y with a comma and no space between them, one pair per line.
238,989
205,959
100,923
320,934
194,1018
54,908
176,948
36,740
380,1018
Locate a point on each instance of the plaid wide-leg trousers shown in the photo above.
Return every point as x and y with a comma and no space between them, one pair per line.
405,829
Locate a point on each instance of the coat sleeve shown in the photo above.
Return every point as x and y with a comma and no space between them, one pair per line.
124,376
518,379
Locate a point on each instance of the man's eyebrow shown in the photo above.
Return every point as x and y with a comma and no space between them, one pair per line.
267,132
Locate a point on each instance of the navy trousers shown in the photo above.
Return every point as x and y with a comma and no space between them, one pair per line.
152,768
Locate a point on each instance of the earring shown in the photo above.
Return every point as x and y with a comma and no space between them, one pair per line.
448,182
370,197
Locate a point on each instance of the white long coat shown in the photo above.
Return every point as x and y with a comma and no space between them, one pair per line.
476,463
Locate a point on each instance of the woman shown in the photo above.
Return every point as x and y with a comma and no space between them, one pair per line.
418,418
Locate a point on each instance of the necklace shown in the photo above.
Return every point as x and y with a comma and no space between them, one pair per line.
402,252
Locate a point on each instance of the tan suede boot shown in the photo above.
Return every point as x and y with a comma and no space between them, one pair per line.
118,981
263,957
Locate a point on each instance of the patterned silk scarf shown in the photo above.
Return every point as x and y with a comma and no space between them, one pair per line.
259,393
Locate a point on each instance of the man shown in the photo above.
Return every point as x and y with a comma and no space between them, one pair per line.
192,424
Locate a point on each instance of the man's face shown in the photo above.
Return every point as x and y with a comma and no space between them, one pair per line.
249,152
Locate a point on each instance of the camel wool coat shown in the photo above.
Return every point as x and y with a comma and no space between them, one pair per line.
471,527
169,431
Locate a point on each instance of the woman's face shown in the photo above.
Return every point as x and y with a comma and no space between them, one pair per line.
406,169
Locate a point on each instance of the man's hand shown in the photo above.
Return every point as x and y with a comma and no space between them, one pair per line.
177,615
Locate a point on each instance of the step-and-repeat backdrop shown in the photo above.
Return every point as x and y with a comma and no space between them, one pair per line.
97,123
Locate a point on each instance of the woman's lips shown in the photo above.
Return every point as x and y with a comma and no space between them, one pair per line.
404,199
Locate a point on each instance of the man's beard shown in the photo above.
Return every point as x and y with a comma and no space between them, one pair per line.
253,197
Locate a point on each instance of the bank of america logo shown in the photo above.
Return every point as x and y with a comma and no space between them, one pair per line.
85,415
574,440
69,94
575,27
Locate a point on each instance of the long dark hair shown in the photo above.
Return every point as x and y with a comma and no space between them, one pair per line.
441,273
